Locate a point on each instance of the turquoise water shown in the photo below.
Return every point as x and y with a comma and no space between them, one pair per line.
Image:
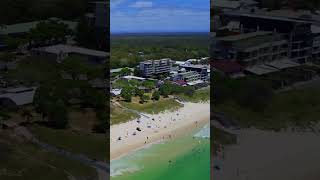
185,158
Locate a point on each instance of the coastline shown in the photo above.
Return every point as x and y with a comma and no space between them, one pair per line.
157,127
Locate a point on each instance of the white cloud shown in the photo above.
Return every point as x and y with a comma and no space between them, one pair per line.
142,4
115,3
161,19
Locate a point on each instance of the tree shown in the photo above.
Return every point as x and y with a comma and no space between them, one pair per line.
7,58
27,114
165,90
144,98
58,115
125,72
49,32
75,67
126,94
137,71
189,91
149,84
134,83
156,95
139,92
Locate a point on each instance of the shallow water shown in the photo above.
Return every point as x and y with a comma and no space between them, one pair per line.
186,157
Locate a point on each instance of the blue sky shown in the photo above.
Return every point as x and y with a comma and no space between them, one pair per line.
160,16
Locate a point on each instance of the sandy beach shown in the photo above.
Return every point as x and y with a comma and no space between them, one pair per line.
125,137
266,155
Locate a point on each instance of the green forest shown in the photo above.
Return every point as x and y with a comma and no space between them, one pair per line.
129,50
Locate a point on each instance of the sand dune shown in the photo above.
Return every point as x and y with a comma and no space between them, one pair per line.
156,127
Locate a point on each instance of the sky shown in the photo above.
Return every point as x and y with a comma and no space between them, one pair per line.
138,16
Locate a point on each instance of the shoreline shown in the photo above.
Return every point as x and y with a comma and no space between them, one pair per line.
156,128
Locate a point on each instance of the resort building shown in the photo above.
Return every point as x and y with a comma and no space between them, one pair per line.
186,76
295,28
155,67
202,70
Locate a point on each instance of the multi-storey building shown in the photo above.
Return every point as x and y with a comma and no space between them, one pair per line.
202,70
296,31
251,48
259,52
154,67
187,76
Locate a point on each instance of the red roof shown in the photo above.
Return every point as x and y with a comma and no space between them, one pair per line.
180,82
227,66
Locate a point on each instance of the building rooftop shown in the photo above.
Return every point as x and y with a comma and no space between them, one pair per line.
195,82
181,82
273,15
200,66
134,77
20,96
261,69
283,64
244,36
62,48
254,40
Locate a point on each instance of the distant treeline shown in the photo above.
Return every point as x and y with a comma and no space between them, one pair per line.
131,49
15,11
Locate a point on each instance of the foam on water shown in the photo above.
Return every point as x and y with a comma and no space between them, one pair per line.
204,132
127,164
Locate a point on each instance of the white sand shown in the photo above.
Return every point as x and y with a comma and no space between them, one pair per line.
164,126
267,155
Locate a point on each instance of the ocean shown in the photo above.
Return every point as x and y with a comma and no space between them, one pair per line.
186,157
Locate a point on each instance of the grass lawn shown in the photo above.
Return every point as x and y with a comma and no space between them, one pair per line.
200,95
22,161
91,145
119,115
153,107
292,108
82,119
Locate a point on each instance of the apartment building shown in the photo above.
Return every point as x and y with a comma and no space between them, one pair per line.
259,52
202,70
297,31
186,76
154,67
